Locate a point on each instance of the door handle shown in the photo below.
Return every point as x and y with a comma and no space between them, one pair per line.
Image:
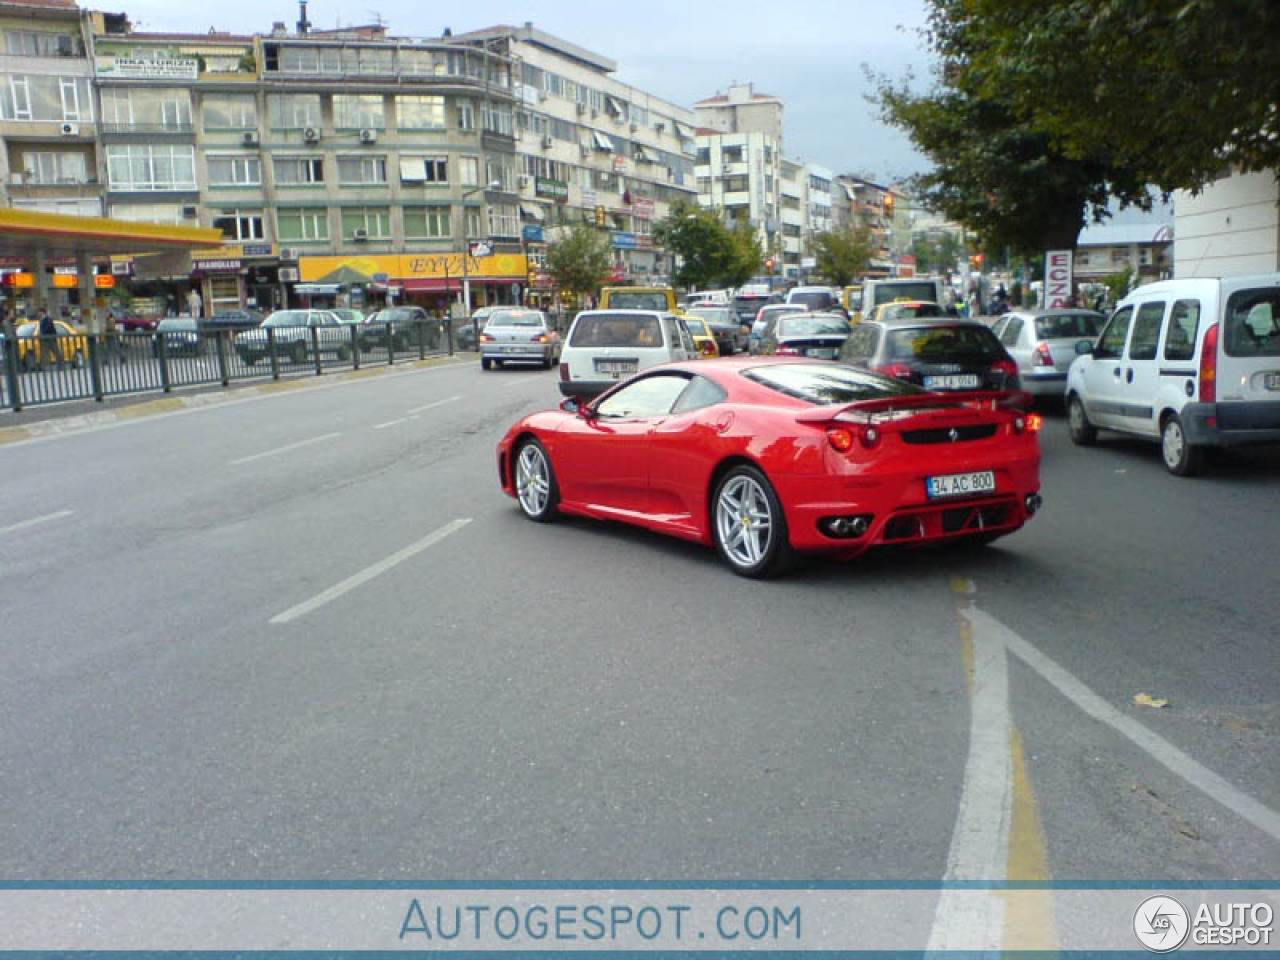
1128,377
1116,370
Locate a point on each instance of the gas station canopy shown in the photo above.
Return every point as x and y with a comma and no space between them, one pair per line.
28,234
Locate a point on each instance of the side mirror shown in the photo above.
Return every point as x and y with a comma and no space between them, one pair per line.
1084,347
576,405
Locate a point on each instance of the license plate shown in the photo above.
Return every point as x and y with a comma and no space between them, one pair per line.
514,349
951,381
616,368
821,353
1271,381
960,484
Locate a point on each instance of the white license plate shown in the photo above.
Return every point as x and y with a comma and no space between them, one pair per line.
951,381
1271,381
821,353
616,368
514,349
961,484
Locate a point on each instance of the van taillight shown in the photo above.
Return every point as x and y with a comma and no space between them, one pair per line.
1209,366
564,371
1043,357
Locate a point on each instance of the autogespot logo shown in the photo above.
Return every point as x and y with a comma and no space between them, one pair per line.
1161,924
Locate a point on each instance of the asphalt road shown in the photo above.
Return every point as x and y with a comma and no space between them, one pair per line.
305,636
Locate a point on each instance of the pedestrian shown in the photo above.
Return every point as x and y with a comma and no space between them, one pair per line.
48,331
114,347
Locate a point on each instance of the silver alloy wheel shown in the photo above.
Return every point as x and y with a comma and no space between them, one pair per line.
744,521
1173,443
1075,413
533,480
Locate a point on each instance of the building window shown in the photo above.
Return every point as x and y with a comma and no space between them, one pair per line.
144,167
240,224
310,59
55,168
424,169
230,112
469,171
429,222
420,113
504,220
471,222
466,115
34,43
295,170
499,169
237,171
168,108
44,98
294,111
362,169
358,111
374,221
169,213
302,224
496,118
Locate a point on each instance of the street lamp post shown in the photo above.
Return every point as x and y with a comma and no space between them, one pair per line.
466,244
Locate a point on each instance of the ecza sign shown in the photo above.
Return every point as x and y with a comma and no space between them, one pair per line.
1057,279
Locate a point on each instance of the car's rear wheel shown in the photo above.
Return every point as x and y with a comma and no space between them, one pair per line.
1181,458
536,487
344,353
485,363
1083,433
748,524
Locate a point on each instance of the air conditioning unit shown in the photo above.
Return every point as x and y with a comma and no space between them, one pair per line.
659,127
368,135
360,236
190,211
70,129
523,181
290,253
311,135
582,108
288,274
251,138
547,143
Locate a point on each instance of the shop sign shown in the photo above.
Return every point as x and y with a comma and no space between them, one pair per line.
400,267
624,241
19,279
532,233
104,281
259,250
129,68
216,266
557,190
642,207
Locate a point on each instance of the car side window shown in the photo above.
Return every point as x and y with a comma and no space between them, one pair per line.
1146,331
1009,335
649,397
1111,343
700,393
1184,323
860,344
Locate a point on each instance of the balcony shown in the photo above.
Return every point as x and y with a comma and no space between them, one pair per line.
148,131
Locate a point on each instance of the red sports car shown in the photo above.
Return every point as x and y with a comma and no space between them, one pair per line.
769,456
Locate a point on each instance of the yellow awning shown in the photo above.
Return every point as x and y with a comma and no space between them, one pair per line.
217,51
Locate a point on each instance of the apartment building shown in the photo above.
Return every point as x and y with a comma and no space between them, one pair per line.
591,148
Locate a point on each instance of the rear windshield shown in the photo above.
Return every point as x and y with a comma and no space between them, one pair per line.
616,330
177,323
807,325
713,314
828,383
1066,327
1253,324
638,301
887,293
944,343
516,318
909,311
815,300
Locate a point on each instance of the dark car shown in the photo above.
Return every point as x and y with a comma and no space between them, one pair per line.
238,318
746,307
817,335
181,337
405,325
936,354
731,336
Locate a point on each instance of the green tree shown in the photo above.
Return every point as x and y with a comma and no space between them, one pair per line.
746,258
703,243
936,254
580,260
844,255
1182,89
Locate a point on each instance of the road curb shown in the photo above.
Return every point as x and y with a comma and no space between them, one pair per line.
54,426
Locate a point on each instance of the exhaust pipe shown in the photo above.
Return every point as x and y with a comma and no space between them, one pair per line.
1033,503
859,526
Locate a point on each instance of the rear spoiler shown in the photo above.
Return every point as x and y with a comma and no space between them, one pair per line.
886,407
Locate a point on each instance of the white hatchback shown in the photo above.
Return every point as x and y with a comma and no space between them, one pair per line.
606,346
1193,363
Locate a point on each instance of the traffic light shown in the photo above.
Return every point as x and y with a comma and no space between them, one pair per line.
768,264
601,220
888,204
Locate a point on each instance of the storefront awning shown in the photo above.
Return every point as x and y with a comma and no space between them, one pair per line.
532,212
318,289
602,142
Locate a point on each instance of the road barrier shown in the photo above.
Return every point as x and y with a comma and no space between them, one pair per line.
116,364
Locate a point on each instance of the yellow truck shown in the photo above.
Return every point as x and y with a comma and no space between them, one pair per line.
639,298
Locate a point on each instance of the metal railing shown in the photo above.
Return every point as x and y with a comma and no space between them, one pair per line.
33,371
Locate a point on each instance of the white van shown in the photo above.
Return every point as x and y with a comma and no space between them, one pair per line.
876,292
607,346
1193,363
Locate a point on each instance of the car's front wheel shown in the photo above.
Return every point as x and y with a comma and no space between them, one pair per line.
748,524
536,487
1181,458
1083,433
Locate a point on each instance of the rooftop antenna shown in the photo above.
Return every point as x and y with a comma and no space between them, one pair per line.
304,25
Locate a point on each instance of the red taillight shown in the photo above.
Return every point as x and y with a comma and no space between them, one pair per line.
1043,357
1209,366
564,371
707,348
840,438
542,338
788,352
1028,423
486,338
900,370
1007,367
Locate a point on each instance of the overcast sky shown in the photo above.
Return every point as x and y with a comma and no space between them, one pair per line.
809,53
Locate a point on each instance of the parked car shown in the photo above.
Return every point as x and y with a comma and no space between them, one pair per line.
765,319
406,324
351,318
517,335
238,318
73,347
134,323
704,338
606,346
1043,345
292,332
818,335
766,457
939,355
466,332
731,336
1193,363
180,336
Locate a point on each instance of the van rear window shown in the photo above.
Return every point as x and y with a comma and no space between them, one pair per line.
1253,324
616,330
631,300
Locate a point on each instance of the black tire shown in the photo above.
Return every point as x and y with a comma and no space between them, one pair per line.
499,364
534,478
1083,433
741,500
485,363
1182,459
298,353
344,353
